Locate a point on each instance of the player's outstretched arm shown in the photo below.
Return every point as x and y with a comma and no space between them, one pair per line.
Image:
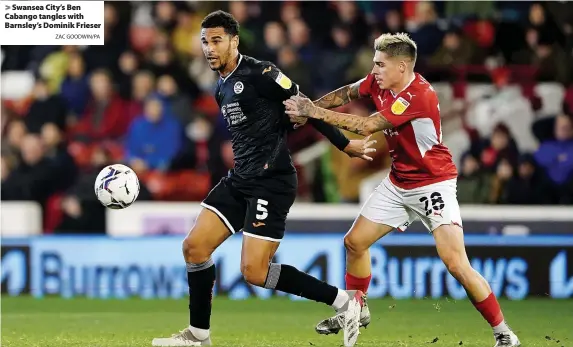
339,97
303,107
354,148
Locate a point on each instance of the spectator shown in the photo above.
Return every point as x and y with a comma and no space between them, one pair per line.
45,108
275,38
529,187
456,49
57,153
143,84
501,147
9,163
249,33
188,25
153,139
105,116
362,64
299,38
55,66
473,184
162,63
165,16
35,178
540,20
75,88
551,61
290,11
344,52
503,174
426,32
556,157
128,66
393,22
15,134
179,104
351,18
290,64
105,57
526,55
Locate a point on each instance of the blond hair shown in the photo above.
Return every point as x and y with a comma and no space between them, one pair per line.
394,45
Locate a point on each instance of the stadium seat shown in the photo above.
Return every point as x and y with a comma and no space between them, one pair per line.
53,213
482,32
116,150
18,106
81,153
445,94
475,92
207,104
569,100
185,185
16,85
552,96
190,185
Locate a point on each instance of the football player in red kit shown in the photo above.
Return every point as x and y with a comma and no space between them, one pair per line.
422,179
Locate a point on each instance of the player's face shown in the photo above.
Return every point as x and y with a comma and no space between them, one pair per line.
388,71
217,47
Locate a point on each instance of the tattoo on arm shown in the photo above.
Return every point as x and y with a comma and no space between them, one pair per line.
356,124
339,97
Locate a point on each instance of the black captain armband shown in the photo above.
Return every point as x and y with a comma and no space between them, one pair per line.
333,134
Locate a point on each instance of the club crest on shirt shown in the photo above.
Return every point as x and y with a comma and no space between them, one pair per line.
283,81
399,106
238,87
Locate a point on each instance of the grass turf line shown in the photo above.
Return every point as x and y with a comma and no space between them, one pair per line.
54,322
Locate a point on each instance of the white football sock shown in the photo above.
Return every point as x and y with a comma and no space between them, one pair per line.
200,334
501,328
341,299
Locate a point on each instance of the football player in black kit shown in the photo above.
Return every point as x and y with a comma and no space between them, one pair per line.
258,192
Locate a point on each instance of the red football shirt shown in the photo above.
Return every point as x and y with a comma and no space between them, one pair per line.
419,158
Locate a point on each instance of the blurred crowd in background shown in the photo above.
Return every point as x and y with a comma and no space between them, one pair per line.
503,71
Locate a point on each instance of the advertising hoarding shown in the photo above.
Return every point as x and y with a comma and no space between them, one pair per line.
403,266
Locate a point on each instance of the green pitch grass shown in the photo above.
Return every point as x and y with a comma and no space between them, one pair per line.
29,322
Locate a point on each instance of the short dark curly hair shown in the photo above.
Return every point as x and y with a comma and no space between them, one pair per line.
221,19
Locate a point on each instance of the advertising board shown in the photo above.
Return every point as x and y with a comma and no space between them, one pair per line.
403,266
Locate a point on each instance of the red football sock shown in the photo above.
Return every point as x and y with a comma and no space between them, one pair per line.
490,310
357,283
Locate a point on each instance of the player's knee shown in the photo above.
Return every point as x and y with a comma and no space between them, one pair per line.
194,252
353,244
456,266
254,274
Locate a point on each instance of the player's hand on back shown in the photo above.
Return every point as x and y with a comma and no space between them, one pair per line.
298,121
361,148
298,107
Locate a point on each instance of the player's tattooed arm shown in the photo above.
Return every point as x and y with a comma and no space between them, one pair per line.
303,107
339,97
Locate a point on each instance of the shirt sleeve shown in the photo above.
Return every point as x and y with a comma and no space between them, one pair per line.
402,111
365,88
274,84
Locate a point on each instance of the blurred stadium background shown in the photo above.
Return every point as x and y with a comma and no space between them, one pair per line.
504,75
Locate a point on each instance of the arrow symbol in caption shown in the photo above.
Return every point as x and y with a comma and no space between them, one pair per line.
7,7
